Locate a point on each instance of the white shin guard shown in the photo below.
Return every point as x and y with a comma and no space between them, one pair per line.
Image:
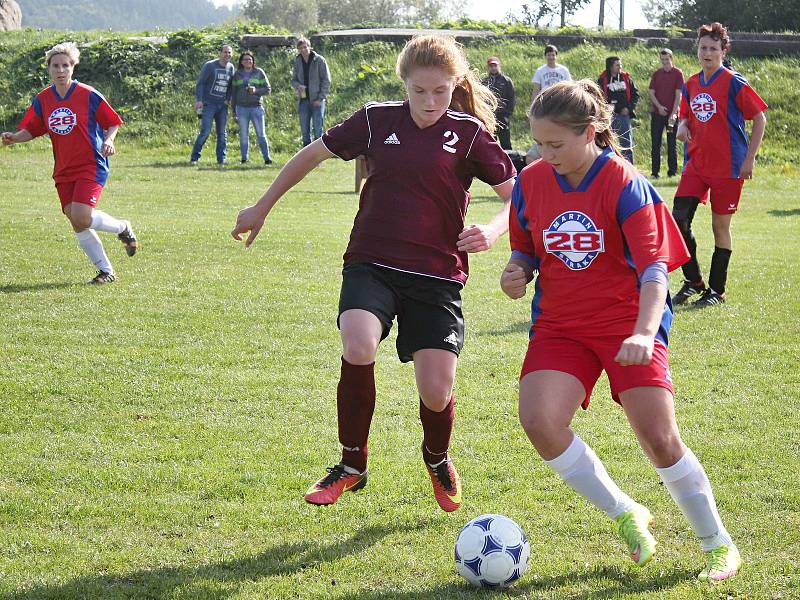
688,485
580,469
104,222
90,243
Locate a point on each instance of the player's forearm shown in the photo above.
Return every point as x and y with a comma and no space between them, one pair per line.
23,135
293,172
111,133
651,308
757,135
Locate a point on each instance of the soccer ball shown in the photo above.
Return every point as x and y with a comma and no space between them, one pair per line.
492,551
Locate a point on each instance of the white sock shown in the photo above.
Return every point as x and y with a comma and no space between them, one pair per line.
580,469
104,222
689,486
90,243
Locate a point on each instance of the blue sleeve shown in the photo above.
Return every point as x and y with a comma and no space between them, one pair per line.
637,194
200,87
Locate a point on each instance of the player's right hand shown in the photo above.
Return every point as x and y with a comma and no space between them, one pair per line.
514,281
249,220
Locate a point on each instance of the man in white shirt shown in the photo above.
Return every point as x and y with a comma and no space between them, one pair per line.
550,72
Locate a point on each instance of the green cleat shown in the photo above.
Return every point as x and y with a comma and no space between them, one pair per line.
633,527
723,562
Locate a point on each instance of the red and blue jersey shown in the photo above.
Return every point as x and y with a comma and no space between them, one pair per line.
590,244
76,125
717,110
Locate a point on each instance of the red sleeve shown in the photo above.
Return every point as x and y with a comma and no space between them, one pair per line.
33,123
518,234
349,138
749,102
653,236
678,79
652,80
107,116
685,111
490,163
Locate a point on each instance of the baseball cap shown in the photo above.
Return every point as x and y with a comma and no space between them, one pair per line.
493,60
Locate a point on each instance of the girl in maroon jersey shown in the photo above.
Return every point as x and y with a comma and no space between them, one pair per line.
407,256
82,127
601,241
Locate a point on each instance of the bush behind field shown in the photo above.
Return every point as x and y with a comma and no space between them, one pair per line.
152,85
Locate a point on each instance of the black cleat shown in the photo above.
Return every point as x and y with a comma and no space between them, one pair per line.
709,298
102,277
128,238
687,291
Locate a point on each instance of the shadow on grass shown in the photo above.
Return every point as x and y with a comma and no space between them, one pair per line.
520,327
623,584
790,212
165,582
16,288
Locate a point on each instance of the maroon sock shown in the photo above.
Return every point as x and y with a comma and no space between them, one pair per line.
436,428
355,403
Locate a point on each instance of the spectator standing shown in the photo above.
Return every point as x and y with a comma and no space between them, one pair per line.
213,92
312,82
621,93
249,84
503,88
549,73
665,100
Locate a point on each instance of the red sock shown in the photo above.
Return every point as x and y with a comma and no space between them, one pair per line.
355,403
436,429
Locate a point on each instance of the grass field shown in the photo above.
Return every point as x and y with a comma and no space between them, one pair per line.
157,434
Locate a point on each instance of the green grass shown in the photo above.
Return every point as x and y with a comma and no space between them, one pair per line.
158,433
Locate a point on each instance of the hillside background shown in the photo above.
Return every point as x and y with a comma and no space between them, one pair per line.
152,85
124,15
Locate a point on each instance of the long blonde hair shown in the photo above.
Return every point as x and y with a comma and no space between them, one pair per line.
470,95
577,104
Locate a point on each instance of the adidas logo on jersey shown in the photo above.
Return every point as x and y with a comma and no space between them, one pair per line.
392,139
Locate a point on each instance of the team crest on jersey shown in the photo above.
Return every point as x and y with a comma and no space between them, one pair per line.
574,239
62,120
704,107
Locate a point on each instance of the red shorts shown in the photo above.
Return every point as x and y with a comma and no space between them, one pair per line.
81,191
587,357
725,191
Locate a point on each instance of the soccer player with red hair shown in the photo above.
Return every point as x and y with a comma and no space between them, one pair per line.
407,256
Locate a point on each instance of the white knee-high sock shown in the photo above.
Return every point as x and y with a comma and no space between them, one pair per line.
580,469
688,484
90,243
104,222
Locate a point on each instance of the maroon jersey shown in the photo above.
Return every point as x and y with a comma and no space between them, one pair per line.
415,198
76,125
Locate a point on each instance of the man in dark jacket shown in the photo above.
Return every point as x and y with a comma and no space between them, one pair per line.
621,92
503,88
311,80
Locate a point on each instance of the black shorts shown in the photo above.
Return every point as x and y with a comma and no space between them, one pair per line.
428,309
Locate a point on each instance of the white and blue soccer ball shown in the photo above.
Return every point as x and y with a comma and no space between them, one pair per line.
492,551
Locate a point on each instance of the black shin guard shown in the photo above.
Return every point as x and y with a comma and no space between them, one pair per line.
719,269
683,210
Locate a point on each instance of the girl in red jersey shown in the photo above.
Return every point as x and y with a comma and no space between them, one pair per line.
407,256
602,242
82,127
716,103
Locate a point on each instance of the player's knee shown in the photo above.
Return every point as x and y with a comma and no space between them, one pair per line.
436,395
663,447
359,350
80,221
538,424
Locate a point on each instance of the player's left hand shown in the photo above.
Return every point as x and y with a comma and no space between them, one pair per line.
746,170
635,350
108,148
476,238
8,138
